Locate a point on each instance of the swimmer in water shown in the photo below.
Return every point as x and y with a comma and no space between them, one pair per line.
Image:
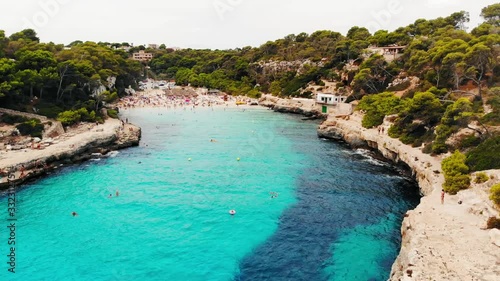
117,193
110,195
74,214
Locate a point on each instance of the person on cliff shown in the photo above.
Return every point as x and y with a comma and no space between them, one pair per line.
442,196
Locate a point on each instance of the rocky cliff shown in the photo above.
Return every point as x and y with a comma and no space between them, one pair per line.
439,241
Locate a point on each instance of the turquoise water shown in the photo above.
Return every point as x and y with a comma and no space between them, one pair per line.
337,216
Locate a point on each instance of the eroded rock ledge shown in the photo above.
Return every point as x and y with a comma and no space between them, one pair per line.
439,241
304,107
81,147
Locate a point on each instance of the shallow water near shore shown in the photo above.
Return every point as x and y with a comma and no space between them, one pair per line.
337,214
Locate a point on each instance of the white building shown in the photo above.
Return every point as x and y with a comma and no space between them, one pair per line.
330,99
333,104
142,56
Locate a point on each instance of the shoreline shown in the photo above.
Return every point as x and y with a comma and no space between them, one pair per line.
439,241
77,145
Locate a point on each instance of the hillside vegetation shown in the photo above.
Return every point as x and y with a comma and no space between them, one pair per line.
447,79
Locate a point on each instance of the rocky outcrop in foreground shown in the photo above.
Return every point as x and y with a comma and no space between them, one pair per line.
23,165
439,241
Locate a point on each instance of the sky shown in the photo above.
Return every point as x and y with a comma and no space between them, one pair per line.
215,24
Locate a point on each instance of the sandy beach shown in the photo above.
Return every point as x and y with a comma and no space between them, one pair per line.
25,163
181,98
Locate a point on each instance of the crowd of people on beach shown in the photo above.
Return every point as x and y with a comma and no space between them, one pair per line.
161,99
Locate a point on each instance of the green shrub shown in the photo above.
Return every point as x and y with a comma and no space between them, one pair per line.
377,107
485,156
455,173
492,119
453,184
394,132
493,222
439,147
481,178
51,111
255,94
86,116
495,194
113,113
32,127
70,117
111,97
372,119
427,148
12,119
469,141
456,116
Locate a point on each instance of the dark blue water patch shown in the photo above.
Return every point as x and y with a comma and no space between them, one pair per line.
340,191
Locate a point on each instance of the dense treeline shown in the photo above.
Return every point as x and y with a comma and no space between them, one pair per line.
48,78
324,55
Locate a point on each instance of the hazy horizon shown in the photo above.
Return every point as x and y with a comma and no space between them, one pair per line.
215,24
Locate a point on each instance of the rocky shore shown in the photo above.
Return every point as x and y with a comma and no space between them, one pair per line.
439,241
22,165
304,107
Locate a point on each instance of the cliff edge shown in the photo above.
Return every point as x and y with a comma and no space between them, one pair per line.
439,241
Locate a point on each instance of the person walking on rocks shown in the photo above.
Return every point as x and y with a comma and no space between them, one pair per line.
442,196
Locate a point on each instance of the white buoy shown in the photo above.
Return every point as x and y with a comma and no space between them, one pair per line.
238,159
189,159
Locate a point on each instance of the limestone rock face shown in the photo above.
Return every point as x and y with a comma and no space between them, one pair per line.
306,107
439,241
